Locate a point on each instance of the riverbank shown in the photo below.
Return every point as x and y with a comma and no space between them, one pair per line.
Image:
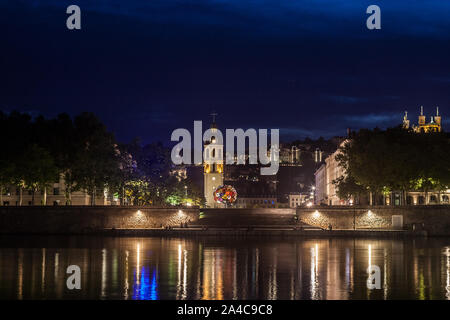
242,233
262,233
368,221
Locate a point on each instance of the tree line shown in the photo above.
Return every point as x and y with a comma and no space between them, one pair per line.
37,152
397,159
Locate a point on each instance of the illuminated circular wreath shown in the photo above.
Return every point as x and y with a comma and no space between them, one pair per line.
225,194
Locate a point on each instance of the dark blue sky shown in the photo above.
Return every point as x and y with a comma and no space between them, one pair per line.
146,67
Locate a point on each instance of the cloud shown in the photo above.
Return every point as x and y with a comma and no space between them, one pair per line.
345,99
300,133
282,17
441,79
7,109
373,119
338,126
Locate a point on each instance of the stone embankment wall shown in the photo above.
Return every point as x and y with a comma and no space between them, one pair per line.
435,218
247,217
87,219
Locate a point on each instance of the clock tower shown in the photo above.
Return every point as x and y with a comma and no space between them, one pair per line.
212,165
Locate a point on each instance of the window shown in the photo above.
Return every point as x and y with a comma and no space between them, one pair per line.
56,191
421,199
7,192
396,199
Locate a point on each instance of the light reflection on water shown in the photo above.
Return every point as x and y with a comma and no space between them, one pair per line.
160,268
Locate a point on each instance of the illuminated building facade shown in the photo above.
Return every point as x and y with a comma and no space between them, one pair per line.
325,189
321,185
297,199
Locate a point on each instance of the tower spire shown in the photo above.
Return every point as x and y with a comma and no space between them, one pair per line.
438,119
214,114
213,124
422,119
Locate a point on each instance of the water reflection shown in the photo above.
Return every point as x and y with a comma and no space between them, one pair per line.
447,266
314,273
156,268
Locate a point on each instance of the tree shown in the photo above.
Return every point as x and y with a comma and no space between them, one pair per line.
96,159
18,133
39,171
397,159
6,163
138,192
127,180
364,159
348,187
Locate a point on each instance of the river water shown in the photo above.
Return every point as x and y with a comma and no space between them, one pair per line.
34,267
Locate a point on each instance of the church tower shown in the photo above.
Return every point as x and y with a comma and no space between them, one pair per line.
435,124
421,117
212,166
437,119
405,121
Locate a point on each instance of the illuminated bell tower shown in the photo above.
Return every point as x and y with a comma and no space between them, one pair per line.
438,119
421,117
213,166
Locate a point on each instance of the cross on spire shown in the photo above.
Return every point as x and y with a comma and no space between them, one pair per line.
214,114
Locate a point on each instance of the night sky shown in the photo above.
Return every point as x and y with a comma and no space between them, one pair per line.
146,67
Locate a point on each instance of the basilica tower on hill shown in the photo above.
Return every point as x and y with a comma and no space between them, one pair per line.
435,124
